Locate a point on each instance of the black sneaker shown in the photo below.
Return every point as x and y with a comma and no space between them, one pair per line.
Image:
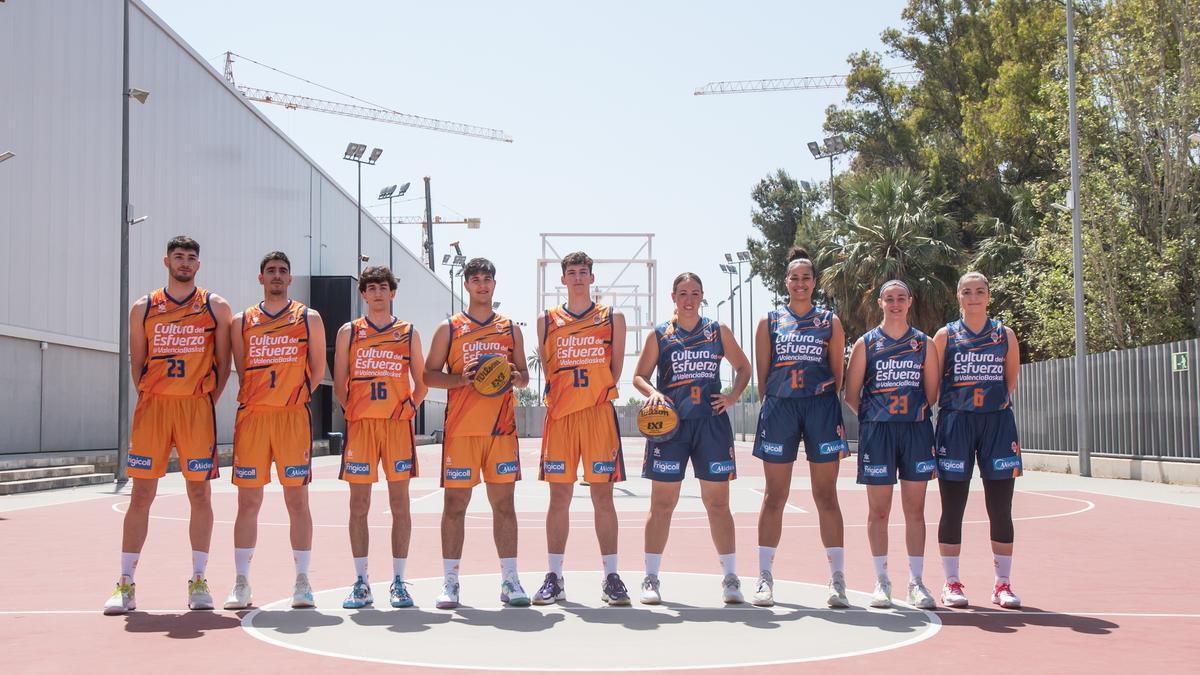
552,591
613,591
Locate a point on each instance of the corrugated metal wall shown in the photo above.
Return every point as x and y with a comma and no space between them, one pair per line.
204,162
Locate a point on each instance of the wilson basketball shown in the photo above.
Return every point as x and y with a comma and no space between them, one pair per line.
657,422
493,376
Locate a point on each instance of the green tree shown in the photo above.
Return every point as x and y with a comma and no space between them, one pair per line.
785,214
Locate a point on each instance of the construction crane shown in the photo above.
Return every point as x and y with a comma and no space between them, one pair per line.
794,83
296,102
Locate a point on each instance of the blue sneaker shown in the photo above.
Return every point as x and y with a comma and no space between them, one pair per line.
399,593
360,596
552,591
512,594
613,591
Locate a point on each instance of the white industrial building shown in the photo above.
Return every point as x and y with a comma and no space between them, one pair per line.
204,162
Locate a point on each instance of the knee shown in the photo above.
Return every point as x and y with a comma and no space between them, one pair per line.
296,504
774,500
455,507
716,503
825,498
359,506
398,506
662,506
878,513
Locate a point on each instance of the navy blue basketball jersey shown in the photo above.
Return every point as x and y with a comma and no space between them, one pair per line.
893,389
689,365
973,371
800,353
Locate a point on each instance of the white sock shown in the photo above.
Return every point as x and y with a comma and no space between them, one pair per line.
450,568
653,563
360,568
950,567
129,563
1003,565
556,564
880,562
241,560
301,558
728,563
610,563
766,558
199,563
916,567
508,568
398,567
837,559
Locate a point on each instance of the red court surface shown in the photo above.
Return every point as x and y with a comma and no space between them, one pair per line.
1106,570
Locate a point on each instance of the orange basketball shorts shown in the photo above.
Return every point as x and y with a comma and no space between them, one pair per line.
591,436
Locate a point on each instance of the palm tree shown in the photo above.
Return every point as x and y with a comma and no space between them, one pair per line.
892,227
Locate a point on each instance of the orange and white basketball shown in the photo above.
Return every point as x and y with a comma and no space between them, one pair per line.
493,376
657,422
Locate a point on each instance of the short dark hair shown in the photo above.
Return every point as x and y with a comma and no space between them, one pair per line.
576,258
479,266
274,255
184,242
376,275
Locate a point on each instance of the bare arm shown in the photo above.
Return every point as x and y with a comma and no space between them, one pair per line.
541,352
939,356
520,378
138,347
316,347
837,353
932,372
617,364
1012,361
741,371
341,364
855,374
416,370
762,347
434,373
223,315
646,364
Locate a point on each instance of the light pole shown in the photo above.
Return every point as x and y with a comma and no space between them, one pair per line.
389,193
1082,430
354,153
457,261
833,146
731,271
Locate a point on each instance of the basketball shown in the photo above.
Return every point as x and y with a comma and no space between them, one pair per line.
657,422
493,376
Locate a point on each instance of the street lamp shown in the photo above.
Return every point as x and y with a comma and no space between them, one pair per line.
354,153
6,155
389,193
1081,422
833,146
454,262
732,272
744,257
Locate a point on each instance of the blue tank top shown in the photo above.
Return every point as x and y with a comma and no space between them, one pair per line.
973,371
893,389
689,366
800,353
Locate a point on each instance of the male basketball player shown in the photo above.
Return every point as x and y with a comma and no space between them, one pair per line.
279,348
481,431
582,347
377,379
179,360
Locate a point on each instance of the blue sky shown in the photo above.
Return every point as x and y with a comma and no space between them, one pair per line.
597,96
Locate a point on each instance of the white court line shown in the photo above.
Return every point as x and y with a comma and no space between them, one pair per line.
388,512
766,610
1139,499
789,505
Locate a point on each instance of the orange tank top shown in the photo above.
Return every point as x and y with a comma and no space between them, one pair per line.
578,352
275,371
380,357
180,345
469,413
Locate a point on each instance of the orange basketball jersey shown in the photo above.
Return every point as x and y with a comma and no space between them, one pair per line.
379,361
469,413
578,351
274,369
181,345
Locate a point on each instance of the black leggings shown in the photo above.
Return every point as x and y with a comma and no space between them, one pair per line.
997,495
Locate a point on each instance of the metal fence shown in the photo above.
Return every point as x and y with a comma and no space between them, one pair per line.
1142,402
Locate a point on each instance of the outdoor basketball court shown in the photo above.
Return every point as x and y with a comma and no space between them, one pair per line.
1106,570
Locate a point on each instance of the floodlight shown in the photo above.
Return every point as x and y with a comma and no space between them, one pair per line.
365,258
495,305
139,219
387,192
805,185
403,189
460,260
139,95
743,256
815,149
728,257
355,151
6,155
375,153
472,223
446,259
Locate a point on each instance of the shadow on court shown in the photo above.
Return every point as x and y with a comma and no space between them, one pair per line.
1010,622
294,622
183,626
642,619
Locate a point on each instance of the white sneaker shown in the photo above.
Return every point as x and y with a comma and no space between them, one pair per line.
953,595
731,590
122,599
882,597
837,591
239,597
764,591
199,597
650,594
448,599
512,594
302,595
919,596
1003,595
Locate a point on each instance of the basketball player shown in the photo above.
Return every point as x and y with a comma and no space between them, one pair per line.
980,358
377,379
581,345
802,376
279,348
481,431
890,383
687,351
179,361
